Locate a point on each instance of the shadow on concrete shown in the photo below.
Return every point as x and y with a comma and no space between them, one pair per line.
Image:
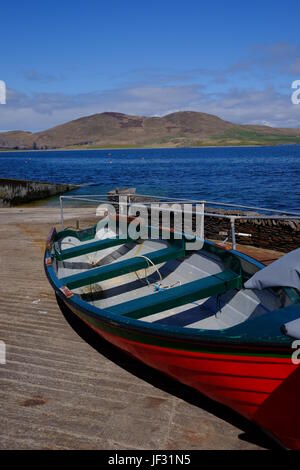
250,432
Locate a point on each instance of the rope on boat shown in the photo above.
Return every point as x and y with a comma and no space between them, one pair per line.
157,286
150,262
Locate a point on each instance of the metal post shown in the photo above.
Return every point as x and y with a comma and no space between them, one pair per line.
232,221
61,212
123,205
202,234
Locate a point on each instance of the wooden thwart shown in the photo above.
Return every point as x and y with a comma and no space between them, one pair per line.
176,296
90,248
110,271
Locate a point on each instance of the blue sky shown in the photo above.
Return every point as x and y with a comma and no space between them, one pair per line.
62,60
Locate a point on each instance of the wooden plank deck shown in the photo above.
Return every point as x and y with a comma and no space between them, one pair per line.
64,388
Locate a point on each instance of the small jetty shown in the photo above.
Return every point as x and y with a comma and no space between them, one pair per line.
63,388
14,192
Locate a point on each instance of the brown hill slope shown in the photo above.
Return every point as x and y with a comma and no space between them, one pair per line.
185,128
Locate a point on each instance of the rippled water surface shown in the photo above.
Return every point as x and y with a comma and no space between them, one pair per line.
260,176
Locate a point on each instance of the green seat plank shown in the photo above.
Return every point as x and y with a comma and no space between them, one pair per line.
90,248
176,296
109,271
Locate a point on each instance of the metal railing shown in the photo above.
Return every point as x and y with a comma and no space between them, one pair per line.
204,204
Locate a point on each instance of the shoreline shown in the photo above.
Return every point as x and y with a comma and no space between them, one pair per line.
145,148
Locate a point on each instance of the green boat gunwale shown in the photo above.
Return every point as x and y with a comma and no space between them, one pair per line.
194,339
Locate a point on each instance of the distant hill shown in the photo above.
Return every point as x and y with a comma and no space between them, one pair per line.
181,129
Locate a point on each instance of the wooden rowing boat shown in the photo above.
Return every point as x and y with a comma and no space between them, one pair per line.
187,314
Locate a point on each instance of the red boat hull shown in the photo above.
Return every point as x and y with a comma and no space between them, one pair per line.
264,390
249,369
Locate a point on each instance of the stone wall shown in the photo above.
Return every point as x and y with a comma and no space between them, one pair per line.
281,235
273,234
14,192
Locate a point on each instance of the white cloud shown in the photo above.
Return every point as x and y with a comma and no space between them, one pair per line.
159,91
44,110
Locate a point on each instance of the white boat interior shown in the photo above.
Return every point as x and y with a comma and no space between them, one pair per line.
217,312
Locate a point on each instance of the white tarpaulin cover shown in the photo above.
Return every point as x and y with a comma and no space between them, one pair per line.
284,272
292,328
